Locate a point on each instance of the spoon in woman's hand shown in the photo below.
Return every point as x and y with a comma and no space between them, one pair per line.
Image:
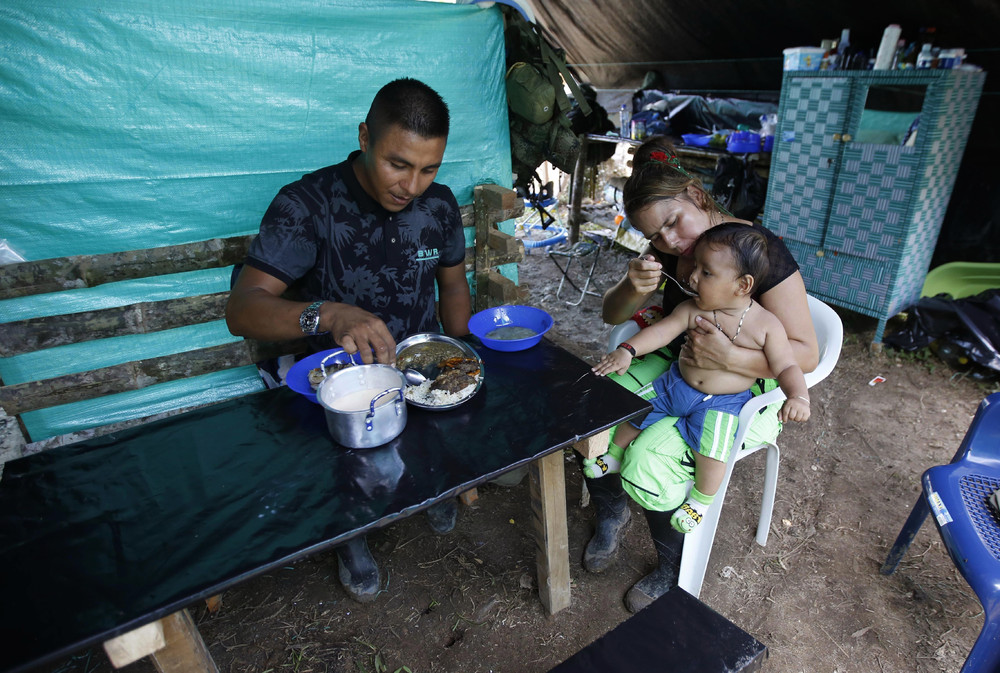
685,290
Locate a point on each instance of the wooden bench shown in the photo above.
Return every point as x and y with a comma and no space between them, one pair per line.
173,641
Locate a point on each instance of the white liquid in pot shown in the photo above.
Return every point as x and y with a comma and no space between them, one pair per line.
360,400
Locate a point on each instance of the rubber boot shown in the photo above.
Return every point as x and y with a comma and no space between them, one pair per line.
611,503
669,543
357,570
442,516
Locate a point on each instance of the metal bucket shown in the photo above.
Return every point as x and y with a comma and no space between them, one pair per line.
364,405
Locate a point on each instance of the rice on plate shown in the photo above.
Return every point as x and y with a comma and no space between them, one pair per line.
423,394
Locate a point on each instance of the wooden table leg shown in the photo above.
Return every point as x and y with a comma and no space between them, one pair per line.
594,446
185,652
548,506
173,643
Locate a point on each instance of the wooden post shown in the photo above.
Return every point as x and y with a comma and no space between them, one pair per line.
576,195
136,644
173,643
548,507
493,204
185,652
593,446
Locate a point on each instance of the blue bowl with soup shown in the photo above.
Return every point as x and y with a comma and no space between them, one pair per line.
510,328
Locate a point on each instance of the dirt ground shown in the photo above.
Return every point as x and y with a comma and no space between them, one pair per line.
468,601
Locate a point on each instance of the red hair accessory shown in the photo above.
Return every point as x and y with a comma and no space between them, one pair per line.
671,160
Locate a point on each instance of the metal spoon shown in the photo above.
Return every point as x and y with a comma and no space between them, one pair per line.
413,377
688,292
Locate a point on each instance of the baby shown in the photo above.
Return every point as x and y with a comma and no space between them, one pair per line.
730,259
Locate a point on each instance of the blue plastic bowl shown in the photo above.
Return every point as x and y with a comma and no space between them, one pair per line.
490,319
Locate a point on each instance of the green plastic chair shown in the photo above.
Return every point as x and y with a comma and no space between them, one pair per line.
961,279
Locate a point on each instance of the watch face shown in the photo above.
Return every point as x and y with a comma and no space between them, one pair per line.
309,319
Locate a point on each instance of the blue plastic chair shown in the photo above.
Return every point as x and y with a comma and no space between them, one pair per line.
957,494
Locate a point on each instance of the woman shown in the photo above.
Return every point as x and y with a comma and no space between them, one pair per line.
671,209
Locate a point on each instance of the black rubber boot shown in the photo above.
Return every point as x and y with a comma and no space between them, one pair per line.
358,571
613,514
669,543
442,516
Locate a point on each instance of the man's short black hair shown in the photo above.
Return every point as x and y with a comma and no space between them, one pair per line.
411,104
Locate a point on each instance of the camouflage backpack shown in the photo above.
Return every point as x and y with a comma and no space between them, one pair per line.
540,129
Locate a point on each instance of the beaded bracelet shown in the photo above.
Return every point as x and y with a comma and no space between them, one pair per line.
627,346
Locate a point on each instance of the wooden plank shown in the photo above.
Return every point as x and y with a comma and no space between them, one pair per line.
26,336
491,204
593,446
185,651
70,273
136,644
21,397
213,603
468,497
502,290
548,507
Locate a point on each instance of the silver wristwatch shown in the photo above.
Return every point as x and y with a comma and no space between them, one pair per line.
309,318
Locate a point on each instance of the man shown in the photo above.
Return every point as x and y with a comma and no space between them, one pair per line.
349,255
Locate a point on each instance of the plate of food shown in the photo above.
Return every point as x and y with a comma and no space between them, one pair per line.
453,369
305,375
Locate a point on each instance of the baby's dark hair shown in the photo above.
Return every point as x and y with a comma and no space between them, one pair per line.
410,104
748,246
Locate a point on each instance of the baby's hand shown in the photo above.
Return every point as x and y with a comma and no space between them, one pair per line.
617,361
794,409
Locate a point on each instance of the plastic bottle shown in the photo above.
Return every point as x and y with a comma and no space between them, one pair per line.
843,46
625,119
908,61
897,58
925,57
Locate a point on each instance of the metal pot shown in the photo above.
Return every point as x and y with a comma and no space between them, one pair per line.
364,405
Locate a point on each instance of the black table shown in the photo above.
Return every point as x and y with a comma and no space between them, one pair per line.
103,536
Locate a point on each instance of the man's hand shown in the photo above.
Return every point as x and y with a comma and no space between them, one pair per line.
358,331
706,347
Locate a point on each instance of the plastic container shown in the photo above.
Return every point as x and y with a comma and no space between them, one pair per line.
743,142
537,237
696,140
483,323
803,58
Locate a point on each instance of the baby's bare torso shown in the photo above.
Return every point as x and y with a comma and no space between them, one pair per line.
752,334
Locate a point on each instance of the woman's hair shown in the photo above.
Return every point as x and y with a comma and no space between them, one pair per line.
748,246
658,176
411,104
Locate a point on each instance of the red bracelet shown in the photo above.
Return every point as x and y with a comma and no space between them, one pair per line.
627,346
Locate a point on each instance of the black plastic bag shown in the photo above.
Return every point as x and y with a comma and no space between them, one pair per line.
963,329
739,188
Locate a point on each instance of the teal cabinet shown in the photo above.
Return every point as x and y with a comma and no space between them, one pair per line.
861,173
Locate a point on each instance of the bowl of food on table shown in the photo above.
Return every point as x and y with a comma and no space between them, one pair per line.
305,375
442,372
510,327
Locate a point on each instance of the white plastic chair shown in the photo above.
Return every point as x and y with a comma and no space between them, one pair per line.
698,544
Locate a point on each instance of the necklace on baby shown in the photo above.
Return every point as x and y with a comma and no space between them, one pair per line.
738,327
